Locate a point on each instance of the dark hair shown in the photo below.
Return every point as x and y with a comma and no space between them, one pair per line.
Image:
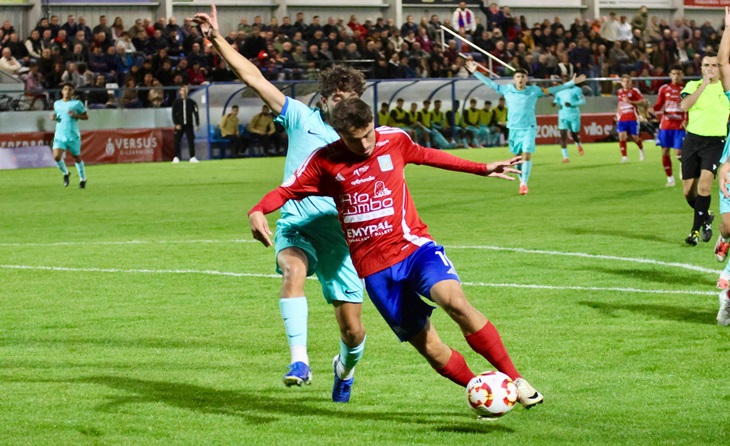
677,67
351,113
710,54
235,106
343,78
69,85
520,71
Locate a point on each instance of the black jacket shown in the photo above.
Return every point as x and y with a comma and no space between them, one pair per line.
191,109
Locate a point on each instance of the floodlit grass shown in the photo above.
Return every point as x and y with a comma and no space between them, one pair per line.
117,326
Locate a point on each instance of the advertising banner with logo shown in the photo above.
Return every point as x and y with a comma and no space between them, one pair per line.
707,3
19,150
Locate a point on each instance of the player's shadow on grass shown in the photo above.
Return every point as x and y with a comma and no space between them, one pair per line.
653,276
264,406
668,312
585,166
613,232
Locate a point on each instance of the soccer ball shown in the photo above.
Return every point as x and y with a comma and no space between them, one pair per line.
491,394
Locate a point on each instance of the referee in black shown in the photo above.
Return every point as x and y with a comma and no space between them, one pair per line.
708,109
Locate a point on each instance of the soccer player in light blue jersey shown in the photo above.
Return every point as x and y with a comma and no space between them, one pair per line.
569,101
521,121
309,238
66,112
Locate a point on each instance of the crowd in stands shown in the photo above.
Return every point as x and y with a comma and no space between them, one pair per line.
147,56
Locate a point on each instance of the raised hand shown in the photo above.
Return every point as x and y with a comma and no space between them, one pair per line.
470,66
578,79
208,23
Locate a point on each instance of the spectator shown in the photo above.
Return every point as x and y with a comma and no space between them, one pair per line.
34,86
116,29
196,74
78,55
71,27
98,97
17,48
130,97
33,45
45,64
157,42
254,44
409,26
229,130
640,19
624,30
156,95
262,127
82,27
463,17
8,63
610,28
103,27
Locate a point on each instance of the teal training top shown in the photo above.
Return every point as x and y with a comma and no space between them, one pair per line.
574,97
521,103
67,127
307,132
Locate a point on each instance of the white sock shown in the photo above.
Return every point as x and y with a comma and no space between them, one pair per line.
299,353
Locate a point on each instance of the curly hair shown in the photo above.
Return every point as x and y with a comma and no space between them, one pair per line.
351,113
342,78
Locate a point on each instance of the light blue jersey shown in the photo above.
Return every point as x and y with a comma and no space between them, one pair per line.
312,224
307,132
574,97
67,128
521,103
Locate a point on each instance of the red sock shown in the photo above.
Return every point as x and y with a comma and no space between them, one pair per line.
667,162
622,146
457,370
488,343
640,143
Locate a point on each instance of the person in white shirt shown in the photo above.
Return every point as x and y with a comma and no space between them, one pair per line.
625,33
464,18
8,63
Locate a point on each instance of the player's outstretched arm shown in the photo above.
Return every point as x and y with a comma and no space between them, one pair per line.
245,70
723,53
473,68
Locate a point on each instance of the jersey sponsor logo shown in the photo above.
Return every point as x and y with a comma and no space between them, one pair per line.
361,170
382,143
362,180
380,190
366,232
386,164
361,207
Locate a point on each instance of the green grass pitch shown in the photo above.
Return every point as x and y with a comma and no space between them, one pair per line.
139,312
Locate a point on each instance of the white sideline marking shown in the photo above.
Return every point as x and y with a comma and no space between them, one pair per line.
139,271
232,274
592,256
129,242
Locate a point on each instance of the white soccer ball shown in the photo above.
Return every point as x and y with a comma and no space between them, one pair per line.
491,394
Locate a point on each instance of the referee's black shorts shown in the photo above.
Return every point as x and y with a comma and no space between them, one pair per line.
701,153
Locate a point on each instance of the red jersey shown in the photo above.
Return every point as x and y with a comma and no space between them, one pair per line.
375,209
627,111
669,98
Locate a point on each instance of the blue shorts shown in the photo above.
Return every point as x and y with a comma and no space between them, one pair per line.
671,139
572,124
396,291
72,145
522,140
632,127
327,253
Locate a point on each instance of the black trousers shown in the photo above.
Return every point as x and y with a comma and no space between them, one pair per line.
187,130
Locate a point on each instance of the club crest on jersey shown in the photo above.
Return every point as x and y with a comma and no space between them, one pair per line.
386,164
380,190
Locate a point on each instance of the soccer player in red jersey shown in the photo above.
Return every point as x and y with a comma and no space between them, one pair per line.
390,245
674,120
627,116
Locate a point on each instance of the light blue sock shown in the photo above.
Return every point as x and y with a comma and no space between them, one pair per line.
62,166
80,169
294,312
565,152
526,168
349,357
